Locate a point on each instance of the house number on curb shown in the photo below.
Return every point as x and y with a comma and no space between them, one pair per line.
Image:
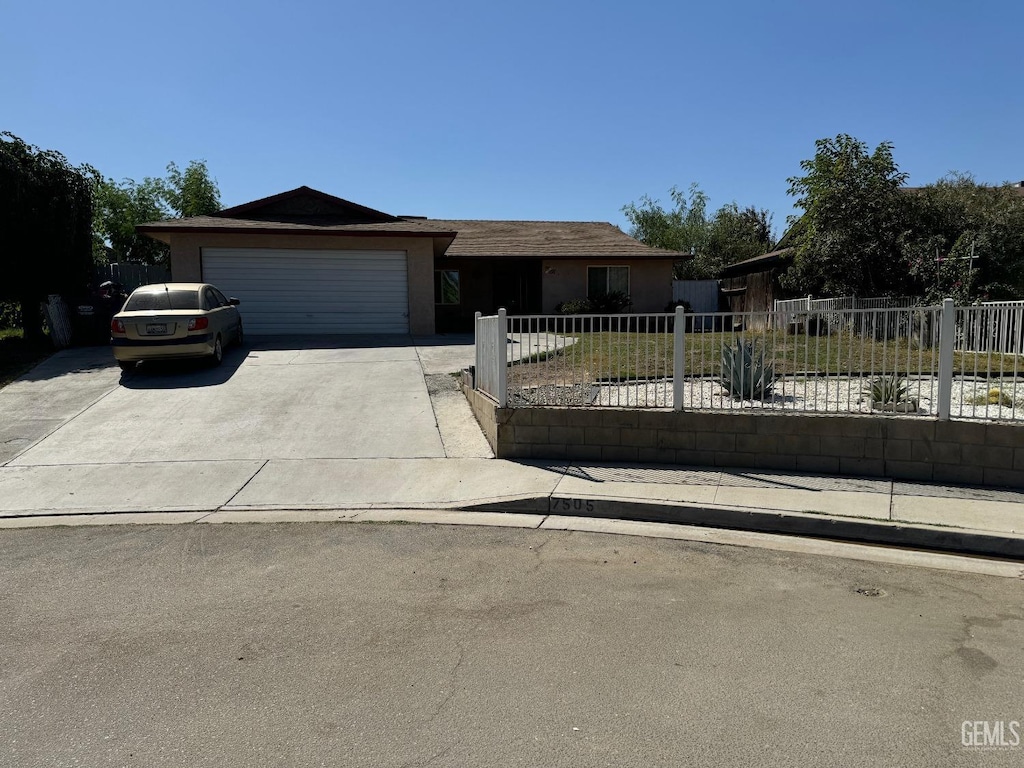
572,505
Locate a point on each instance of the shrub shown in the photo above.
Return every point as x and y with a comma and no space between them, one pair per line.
10,314
608,303
671,306
888,390
575,307
747,372
994,396
601,304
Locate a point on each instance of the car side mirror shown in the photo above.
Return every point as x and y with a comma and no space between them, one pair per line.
234,302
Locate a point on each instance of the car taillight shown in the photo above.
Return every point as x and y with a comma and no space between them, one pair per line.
198,323
116,326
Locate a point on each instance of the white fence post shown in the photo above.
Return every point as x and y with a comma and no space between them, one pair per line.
679,348
476,349
947,337
502,354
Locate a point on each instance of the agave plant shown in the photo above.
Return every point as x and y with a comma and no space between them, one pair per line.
747,370
888,390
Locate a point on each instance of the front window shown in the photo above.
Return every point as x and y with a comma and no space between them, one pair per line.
604,280
446,286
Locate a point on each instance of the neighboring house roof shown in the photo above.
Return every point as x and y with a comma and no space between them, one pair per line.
758,263
310,212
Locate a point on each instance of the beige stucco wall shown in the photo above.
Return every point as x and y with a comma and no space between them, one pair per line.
186,261
650,282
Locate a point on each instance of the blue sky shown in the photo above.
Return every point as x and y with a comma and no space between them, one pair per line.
531,110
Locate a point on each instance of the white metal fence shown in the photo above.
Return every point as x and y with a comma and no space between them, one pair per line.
995,326
794,311
491,370
939,361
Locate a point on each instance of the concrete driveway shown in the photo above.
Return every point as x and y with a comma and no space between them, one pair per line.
76,435
283,399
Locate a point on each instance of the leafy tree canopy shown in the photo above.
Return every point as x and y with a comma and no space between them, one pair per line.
854,217
191,192
731,234
967,240
864,233
122,206
45,222
117,209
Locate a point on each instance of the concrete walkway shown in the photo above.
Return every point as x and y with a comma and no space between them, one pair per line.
62,467
973,520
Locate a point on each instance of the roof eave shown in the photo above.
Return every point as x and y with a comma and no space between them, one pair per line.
156,230
569,256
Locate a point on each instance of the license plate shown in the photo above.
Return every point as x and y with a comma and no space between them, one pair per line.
156,329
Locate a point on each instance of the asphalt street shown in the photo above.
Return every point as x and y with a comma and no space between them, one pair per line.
402,645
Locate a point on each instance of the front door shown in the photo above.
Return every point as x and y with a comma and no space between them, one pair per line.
517,286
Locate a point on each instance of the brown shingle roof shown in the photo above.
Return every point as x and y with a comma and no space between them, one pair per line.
757,263
416,227
555,239
472,238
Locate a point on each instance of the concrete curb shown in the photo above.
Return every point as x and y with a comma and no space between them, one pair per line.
859,530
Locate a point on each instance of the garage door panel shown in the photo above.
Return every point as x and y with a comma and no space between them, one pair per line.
297,291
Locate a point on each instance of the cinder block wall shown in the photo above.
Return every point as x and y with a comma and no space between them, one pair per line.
903,447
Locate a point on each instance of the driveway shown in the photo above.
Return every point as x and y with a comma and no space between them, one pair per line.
285,399
186,436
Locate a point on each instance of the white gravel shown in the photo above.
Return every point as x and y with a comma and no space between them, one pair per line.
814,394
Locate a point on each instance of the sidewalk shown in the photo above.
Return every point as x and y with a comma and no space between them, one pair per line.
946,518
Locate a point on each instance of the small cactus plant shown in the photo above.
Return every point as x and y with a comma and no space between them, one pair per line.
887,390
747,370
890,393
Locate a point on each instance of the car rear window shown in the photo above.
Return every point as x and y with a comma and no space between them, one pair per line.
148,301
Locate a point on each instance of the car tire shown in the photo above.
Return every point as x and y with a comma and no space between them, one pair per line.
240,336
218,351
126,366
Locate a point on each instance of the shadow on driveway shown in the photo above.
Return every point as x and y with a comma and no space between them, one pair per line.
184,374
328,341
69,361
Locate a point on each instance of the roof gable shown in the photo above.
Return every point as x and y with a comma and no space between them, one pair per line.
306,206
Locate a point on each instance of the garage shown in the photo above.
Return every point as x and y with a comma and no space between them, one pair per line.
296,291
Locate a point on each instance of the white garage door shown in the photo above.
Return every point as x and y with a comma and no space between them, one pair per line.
309,291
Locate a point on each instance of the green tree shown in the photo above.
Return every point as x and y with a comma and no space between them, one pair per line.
966,240
731,234
45,227
855,216
117,209
680,228
191,192
735,234
122,206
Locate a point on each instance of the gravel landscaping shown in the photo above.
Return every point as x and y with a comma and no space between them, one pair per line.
812,394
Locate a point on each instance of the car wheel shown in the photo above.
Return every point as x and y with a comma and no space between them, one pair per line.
126,365
240,338
218,351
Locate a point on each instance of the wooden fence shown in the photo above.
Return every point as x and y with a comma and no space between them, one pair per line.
131,276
